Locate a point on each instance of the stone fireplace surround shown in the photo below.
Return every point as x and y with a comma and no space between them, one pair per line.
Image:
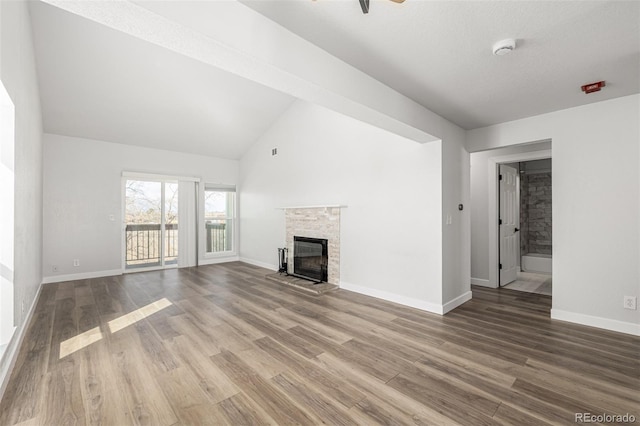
316,222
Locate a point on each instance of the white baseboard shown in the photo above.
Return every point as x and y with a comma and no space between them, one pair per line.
452,304
599,322
392,297
14,345
215,260
259,263
81,276
481,282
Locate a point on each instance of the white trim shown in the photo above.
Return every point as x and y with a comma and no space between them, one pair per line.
328,206
11,352
481,282
153,176
81,276
599,322
395,298
452,304
150,269
259,263
219,259
123,225
220,187
493,163
233,218
219,255
8,295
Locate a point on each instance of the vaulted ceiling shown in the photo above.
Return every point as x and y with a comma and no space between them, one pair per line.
214,82
99,83
439,53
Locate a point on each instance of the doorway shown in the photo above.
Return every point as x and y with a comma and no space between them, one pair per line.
484,188
151,224
525,226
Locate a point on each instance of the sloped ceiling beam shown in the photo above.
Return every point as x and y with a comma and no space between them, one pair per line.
235,38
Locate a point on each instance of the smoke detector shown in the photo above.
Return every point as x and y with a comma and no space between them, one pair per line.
504,47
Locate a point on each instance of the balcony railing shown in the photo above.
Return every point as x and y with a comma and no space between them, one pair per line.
216,237
143,244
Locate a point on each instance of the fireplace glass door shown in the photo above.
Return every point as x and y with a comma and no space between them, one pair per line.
310,257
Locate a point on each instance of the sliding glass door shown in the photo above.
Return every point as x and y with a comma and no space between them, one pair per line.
151,224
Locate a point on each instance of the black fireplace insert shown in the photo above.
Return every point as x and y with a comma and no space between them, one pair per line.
310,258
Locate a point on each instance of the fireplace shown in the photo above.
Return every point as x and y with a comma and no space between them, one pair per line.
315,222
310,258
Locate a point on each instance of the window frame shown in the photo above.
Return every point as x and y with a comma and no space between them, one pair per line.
210,187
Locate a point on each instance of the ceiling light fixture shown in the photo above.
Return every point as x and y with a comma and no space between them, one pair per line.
364,4
504,47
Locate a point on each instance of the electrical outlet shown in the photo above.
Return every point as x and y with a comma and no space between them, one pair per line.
630,302
54,268
76,262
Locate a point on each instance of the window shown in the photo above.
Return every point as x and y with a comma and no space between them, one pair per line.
7,217
151,218
219,218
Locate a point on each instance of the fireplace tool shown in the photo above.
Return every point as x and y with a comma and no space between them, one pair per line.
282,260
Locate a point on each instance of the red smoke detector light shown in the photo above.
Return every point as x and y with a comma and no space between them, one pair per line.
593,87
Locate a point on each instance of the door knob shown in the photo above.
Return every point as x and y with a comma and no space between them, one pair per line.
516,230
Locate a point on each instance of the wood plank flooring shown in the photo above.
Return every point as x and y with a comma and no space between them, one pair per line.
222,345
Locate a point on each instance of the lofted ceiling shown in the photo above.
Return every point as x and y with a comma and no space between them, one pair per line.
100,83
439,53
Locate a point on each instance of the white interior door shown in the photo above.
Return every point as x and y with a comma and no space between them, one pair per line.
509,223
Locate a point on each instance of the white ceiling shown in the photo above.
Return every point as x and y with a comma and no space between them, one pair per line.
438,53
102,84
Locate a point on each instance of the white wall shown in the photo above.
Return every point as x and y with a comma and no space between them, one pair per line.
596,193
480,164
391,231
82,187
17,72
456,235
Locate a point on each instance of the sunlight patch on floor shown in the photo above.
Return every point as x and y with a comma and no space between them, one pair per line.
83,340
137,315
80,341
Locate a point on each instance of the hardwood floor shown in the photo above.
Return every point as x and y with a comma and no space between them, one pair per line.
222,345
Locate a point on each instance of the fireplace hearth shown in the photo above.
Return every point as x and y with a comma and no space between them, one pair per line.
310,258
